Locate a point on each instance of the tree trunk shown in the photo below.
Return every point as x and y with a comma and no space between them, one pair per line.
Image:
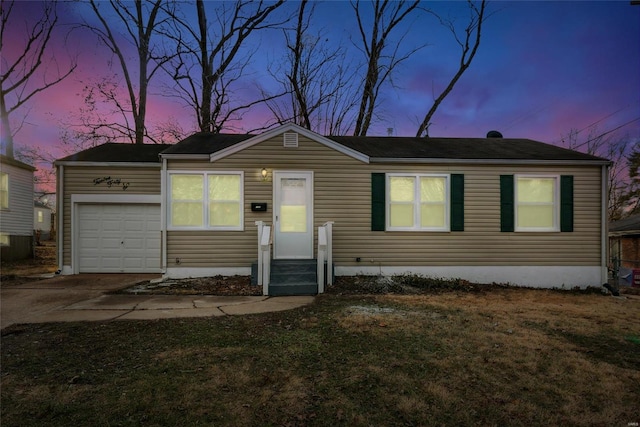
207,71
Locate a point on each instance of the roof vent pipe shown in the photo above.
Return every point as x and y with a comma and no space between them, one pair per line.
494,134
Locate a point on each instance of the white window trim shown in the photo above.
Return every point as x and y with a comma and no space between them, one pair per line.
205,201
7,191
556,204
417,203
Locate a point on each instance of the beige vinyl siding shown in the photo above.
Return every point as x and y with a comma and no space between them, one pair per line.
80,180
342,193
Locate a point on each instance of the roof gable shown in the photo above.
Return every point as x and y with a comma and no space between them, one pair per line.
289,127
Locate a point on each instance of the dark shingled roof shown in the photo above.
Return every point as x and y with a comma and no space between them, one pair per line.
206,143
631,224
459,148
408,147
112,152
376,147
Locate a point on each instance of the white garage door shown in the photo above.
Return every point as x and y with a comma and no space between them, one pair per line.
119,238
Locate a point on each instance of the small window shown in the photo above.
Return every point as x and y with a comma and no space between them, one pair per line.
4,190
206,201
40,216
536,203
418,202
4,239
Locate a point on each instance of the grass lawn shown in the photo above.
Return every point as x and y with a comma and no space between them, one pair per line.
502,357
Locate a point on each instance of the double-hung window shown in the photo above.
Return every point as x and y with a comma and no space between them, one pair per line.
537,203
206,201
4,190
417,202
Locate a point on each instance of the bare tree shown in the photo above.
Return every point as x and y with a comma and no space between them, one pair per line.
469,45
210,59
380,61
613,147
141,20
16,87
316,80
631,197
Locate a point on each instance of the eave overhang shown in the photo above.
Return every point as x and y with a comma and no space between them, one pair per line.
108,164
491,161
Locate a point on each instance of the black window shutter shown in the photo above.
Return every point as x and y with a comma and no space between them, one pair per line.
457,202
566,203
378,200
506,203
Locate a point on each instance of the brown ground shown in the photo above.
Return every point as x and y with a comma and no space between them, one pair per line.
17,272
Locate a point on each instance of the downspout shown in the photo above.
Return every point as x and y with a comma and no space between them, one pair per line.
60,211
604,241
163,216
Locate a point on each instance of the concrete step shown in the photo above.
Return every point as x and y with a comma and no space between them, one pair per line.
293,289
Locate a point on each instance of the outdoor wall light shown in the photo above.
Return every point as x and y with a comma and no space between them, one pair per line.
264,174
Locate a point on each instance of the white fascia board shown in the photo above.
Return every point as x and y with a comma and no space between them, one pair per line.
110,164
287,128
185,156
490,161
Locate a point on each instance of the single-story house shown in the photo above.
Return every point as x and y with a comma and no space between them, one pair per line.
483,209
41,220
16,209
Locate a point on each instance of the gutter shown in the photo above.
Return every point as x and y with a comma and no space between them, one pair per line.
490,161
163,217
109,164
604,241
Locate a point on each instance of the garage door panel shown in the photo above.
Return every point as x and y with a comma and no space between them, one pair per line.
133,243
115,238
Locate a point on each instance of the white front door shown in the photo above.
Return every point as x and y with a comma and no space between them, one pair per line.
293,215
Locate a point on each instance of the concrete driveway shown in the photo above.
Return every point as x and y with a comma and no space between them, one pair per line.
27,302
84,297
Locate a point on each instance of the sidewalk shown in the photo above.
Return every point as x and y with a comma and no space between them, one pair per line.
141,307
88,297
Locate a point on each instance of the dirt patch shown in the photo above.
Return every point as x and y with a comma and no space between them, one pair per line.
218,285
24,271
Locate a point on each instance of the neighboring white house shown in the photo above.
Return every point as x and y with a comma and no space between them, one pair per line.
16,209
42,220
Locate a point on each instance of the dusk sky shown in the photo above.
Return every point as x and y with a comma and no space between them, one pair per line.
543,69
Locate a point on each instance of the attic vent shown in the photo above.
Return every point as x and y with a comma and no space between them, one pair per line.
290,140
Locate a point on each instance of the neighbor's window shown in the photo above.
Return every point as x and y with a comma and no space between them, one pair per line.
4,239
40,216
418,202
4,190
537,203
206,200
